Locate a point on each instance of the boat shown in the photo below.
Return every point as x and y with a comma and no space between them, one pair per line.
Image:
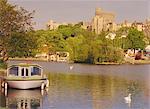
25,76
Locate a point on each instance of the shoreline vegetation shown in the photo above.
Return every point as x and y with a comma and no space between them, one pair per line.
98,63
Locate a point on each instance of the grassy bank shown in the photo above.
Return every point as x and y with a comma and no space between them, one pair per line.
141,61
29,59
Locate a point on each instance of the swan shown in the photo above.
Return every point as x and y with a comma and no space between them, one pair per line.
71,67
128,98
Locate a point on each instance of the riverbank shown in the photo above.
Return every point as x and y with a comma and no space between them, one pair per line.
141,61
98,63
108,63
28,59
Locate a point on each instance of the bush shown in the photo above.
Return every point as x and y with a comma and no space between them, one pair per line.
113,55
3,65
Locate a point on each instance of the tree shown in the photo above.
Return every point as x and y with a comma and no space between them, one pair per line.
135,39
109,50
22,45
12,19
78,49
70,30
50,41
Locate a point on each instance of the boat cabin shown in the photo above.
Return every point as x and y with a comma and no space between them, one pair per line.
24,70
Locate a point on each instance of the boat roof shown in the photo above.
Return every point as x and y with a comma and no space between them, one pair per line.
24,65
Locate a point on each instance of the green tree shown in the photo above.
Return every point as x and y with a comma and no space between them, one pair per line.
135,39
52,41
109,50
12,19
22,45
75,43
70,30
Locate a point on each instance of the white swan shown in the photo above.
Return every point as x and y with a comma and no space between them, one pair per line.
128,99
71,67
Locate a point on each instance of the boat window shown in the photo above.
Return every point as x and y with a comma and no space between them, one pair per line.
35,71
13,71
22,72
27,74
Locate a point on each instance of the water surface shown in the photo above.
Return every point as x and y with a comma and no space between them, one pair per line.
85,87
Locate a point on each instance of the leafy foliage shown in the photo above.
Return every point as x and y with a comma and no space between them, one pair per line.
12,19
135,39
22,45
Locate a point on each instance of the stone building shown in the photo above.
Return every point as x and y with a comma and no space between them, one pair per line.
147,27
138,25
103,21
126,24
86,25
52,25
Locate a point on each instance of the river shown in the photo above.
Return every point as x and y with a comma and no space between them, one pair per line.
84,86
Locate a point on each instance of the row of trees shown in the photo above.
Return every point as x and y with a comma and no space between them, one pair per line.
18,39
82,45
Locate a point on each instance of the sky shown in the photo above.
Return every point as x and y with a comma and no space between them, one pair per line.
83,10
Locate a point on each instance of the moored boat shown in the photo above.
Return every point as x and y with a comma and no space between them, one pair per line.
25,76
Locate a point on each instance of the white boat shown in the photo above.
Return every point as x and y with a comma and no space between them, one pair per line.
25,76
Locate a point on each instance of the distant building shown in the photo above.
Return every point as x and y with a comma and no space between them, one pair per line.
138,25
52,25
147,49
87,26
59,57
147,27
126,24
103,21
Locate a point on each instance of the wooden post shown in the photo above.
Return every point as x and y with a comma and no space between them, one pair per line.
47,83
5,88
42,92
5,85
42,86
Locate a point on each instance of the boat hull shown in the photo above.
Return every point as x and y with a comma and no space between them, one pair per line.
24,84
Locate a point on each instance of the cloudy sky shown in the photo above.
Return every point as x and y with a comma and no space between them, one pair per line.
84,10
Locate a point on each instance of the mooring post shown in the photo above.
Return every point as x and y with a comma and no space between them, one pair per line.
5,86
42,86
6,92
42,92
47,83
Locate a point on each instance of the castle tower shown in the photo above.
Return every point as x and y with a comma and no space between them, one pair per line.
102,21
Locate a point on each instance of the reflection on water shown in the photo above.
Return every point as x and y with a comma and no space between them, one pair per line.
69,91
22,99
96,92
